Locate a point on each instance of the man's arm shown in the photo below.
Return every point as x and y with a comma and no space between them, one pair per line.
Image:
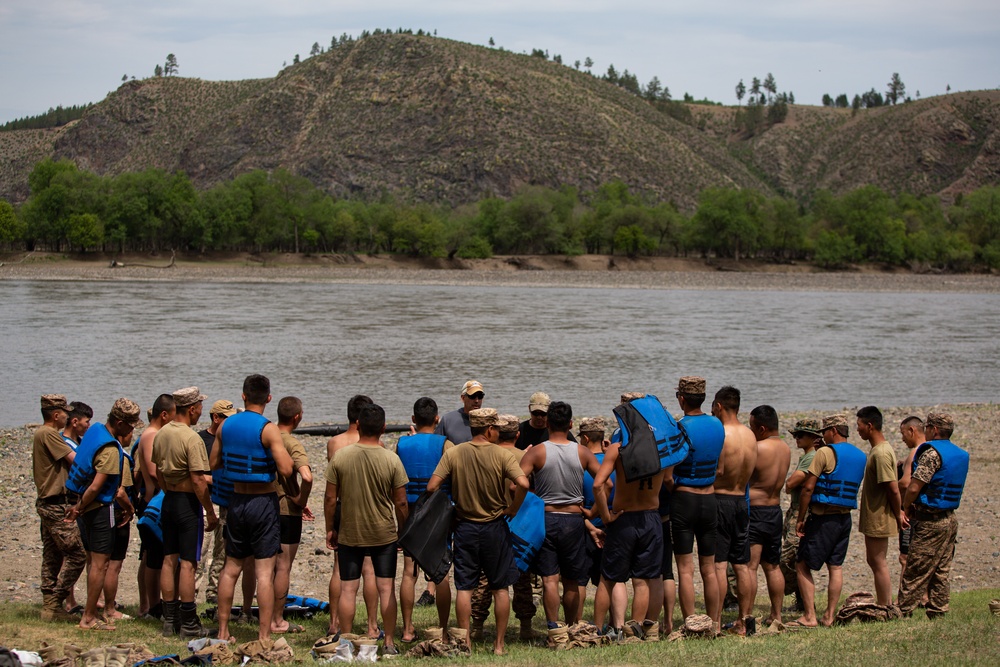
912,493
434,484
805,497
895,503
215,457
601,479
305,487
519,493
589,461
147,468
121,497
904,481
795,480
270,437
529,462
200,483
88,496
402,508
329,509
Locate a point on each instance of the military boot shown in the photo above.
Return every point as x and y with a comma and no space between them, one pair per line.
191,625
476,631
52,610
170,617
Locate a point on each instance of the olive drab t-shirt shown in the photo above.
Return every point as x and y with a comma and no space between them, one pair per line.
804,462
48,449
178,451
289,486
876,518
480,475
366,477
824,461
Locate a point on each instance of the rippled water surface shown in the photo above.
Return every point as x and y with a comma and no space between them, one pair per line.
325,342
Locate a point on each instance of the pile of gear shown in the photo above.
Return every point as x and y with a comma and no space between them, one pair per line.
696,626
864,607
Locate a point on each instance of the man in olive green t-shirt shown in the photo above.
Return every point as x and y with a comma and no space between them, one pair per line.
881,514
807,437
371,481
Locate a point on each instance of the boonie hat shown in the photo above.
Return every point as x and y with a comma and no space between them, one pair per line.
940,420
810,426
188,396
833,421
471,387
507,423
52,401
539,401
632,395
223,407
691,384
483,417
128,412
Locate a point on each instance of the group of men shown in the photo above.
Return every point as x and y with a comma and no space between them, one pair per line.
600,526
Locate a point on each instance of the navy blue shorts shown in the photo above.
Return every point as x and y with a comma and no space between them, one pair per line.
593,563
97,530
694,516
633,547
668,551
825,540
122,537
564,550
765,529
732,544
253,526
351,559
151,549
291,529
183,523
484,548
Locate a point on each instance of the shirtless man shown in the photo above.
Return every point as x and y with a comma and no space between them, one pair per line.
633,546
369,589
150,549
739,456
911,430
557,466
773,459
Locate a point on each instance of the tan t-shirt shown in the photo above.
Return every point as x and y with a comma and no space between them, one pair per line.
178,451
289,486
876,518
824,461
48,451
107,460
480,475
366,476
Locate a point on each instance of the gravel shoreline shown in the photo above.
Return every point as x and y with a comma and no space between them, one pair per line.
977,560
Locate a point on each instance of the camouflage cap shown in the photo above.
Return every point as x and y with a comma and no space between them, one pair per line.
592,425
810,426
508,423
632,395
127,411
188,396
52,401
483,417
691,384
832,421
940,420
539,401
223,407
471,387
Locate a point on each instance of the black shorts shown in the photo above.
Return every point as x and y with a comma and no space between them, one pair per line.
732,543
97,530
151,551
765,529
564,550
484,548
904,541
253,527
633,547
668,550
592,574
825,540
694,516
183,523
122,536
291,529
351,559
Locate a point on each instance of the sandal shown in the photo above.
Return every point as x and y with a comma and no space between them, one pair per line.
292,629
99,625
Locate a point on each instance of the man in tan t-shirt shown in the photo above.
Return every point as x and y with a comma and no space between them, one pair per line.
881,516
371,481
63,556
481,472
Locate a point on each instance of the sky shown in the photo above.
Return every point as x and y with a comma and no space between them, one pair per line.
69,52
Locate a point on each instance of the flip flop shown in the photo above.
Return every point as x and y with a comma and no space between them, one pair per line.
796,625
76,611
99,625
293,628
408,641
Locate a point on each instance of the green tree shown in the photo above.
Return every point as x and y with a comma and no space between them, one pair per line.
653,89
728,221
741,90
11,228
85,231
315,50
588,63
170,67
897,89
770,86
632,240
158,70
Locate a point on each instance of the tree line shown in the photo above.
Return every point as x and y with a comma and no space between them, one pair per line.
74,210
52,118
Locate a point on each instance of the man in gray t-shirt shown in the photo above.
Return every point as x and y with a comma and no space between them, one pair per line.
455,425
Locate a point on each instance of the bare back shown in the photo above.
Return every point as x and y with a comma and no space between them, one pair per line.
639,495
773,459
341,440
146,466
739,456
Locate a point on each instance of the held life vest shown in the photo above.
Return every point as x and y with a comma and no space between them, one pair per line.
222,487
420,454
588,491
527,531
944,491
243,455
426,535
698,468
129,461
841,486
651,438
151,516
82,472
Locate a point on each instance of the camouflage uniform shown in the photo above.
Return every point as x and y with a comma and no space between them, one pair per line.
790,550
522,603
63,556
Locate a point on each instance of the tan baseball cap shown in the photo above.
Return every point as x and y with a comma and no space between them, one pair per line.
632,395
223,407
471,387
539,401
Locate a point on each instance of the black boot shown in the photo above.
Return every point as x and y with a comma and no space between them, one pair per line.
191,625
170,617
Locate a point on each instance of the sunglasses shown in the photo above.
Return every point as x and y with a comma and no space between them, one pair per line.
478,396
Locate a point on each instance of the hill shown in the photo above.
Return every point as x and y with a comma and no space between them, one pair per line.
430,119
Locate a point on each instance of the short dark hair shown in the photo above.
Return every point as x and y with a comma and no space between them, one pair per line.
478,430
910,419
728,398
48,412
80,410
354,406
871,416
425,411
371,421
560,416
256,388
766,416
288,407
693,401
508,436
163,403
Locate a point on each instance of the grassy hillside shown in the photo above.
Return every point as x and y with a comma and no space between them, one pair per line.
435,120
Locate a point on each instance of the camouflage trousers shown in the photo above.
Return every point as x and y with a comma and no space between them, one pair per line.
63,556
523,604
790,551
928,565
213,561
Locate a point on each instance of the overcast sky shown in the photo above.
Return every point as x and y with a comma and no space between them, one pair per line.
75,51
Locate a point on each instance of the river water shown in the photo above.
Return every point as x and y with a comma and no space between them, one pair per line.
96,341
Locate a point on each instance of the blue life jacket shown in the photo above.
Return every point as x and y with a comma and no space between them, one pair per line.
707,435
651,438
222,487
841,486
944,491
420,454
82,473
527,531
588,491
69,441
151,516
244,457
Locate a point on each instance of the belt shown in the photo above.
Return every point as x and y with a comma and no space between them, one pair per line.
61,499
927,514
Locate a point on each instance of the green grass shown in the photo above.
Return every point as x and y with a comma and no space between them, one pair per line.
968,635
